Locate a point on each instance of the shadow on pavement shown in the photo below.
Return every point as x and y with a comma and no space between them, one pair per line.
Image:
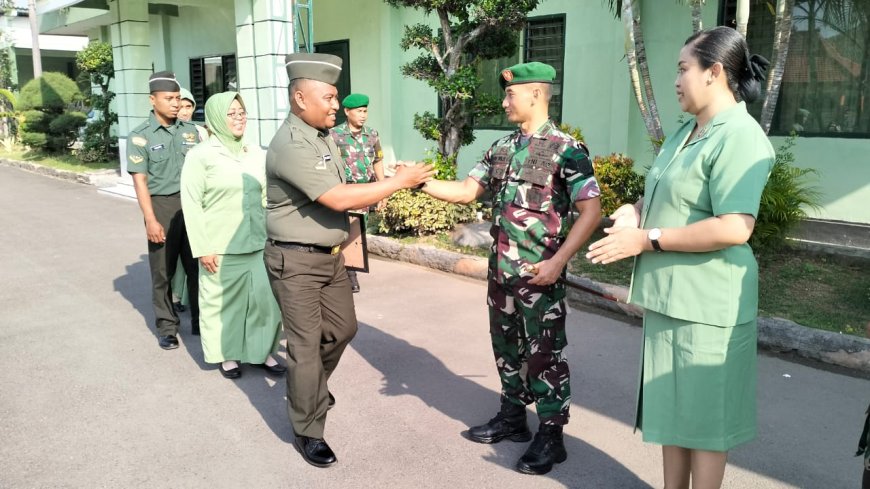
135,286
410,370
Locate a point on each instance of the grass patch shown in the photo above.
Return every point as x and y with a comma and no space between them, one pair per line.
821,292
817,291
60,162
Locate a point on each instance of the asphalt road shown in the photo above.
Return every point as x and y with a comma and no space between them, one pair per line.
88,400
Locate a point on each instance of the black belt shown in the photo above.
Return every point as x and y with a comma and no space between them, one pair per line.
307,248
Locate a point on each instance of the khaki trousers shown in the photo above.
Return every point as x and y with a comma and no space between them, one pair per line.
313,292
163,261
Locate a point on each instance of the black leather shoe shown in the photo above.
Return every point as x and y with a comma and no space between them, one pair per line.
510,423
547,449
331,401
315,451
233,373
168,342
276,369
178,307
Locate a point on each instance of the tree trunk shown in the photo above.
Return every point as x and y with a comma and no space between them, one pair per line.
742,17
656,135
697,23
34,32
631,57
781,36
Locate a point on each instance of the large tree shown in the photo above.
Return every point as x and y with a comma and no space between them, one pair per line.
468,32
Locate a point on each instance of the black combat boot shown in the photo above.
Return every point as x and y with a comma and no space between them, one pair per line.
547,449
510,423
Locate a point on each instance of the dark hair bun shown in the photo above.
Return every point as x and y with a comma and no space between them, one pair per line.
749,86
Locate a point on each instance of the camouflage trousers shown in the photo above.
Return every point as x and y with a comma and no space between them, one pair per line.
527,328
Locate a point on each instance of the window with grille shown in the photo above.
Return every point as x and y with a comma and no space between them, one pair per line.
825,84
542,39
211,75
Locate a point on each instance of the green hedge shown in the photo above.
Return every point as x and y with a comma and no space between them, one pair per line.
417,213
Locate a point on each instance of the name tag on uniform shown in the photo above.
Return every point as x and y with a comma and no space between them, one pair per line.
157,147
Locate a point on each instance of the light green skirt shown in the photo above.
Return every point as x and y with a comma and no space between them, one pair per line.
697,383
238,316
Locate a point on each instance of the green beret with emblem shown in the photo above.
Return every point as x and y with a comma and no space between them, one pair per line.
355,101
534,72
313,66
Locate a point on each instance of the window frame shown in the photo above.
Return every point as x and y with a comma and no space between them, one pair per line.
199,92
523,47
726,17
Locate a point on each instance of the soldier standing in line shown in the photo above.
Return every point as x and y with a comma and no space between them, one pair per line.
306,221
536,176
155,153
360,149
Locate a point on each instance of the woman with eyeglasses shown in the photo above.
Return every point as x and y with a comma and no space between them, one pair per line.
223,195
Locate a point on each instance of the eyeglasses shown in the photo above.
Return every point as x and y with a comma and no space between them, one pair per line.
238,115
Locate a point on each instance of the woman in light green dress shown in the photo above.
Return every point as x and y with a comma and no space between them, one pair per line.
695,274
223,195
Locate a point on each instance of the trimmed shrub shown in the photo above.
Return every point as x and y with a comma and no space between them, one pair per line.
417,213
618,181
786,196
51,92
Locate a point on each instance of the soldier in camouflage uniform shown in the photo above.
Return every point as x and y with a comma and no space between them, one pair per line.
360,149
535,176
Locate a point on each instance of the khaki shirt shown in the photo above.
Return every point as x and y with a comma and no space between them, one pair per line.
302,164
723,171
159,152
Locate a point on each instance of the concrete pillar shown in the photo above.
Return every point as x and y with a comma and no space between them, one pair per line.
264,35
131,53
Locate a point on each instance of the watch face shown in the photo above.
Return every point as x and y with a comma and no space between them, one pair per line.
655,233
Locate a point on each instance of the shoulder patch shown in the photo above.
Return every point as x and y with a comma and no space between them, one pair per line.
189,137
139,141
136,159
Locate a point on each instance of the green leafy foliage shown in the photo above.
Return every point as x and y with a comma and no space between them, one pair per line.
470,31
96,61
409,212
572,131
786,197
618,181
51,92
445,166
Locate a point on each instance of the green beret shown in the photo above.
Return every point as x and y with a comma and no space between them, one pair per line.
355,100
533,72
321,67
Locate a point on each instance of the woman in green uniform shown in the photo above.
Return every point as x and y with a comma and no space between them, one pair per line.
223,188
695,274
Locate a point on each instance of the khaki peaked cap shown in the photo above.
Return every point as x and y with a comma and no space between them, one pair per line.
313,66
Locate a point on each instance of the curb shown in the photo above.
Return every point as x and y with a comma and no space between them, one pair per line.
775,334
98,178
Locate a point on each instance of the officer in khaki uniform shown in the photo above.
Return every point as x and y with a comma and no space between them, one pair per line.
155,154
307,204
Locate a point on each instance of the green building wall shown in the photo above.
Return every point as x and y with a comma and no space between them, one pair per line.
597,95
596,92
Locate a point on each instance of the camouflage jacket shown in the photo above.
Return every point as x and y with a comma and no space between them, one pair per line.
533,183
359,152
